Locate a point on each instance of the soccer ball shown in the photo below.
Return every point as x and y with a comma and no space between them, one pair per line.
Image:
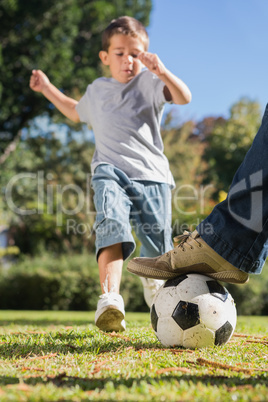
193,311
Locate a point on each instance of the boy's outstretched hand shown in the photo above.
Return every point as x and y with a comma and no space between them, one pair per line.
38,81
175,90
152,62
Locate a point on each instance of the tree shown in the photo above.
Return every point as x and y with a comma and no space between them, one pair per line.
204,156
61,37
228,142
184,149
46,195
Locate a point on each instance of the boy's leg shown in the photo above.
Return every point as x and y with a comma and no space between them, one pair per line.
110,312
110,263
114,243
232,241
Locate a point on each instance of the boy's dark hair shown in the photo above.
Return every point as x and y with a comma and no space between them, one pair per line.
126,26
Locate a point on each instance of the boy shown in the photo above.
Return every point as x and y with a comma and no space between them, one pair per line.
131,176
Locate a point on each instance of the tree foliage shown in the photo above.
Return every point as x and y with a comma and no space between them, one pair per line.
184,150
46,196
229,141
61,37
204,156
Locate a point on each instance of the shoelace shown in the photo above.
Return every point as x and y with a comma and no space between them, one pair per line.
105,288
182,240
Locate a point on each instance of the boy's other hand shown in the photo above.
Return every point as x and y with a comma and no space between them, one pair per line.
38,81
152,62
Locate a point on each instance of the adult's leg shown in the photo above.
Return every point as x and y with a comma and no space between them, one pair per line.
237,228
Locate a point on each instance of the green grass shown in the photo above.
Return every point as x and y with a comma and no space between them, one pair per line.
61,356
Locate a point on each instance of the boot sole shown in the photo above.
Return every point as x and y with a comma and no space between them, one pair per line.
224,276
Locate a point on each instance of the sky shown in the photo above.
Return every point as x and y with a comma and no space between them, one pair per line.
218,48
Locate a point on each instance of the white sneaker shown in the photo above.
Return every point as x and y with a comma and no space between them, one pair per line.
150,287
110,313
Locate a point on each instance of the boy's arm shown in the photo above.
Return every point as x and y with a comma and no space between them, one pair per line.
39,82
175,89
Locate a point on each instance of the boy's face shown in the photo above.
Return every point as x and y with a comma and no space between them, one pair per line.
121,57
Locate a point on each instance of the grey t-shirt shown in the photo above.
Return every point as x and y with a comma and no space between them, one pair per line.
125,119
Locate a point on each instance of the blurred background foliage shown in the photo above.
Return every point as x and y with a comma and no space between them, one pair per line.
46,207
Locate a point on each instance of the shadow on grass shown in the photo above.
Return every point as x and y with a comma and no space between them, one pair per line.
89,384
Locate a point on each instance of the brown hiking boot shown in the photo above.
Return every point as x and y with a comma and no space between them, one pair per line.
192,255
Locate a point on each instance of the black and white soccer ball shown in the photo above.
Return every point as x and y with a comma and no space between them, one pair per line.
193,311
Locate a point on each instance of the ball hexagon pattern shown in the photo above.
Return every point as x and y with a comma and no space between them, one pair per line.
193,311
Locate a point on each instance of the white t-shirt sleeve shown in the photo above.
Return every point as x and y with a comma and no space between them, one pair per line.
159,96
83,107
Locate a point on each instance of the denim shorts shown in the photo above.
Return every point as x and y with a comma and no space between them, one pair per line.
123,204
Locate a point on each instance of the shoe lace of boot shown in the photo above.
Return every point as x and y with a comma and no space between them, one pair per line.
182,240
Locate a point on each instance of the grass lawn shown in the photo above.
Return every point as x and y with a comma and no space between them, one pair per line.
61,356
